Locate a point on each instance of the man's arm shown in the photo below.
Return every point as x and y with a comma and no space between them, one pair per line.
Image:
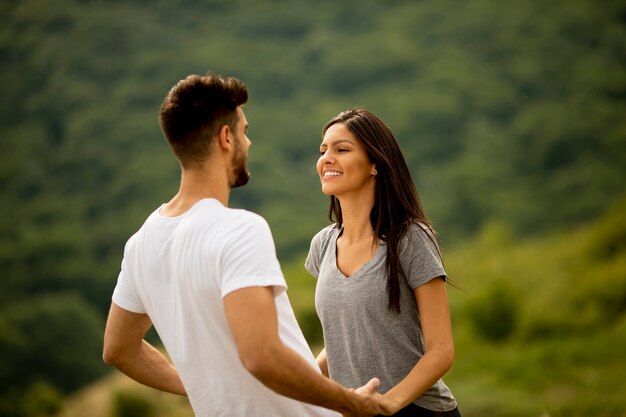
252,316
125,349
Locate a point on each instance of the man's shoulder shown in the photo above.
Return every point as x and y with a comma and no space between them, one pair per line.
142,229
209,212
231,224
243,217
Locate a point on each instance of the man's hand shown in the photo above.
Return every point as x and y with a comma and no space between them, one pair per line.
367,400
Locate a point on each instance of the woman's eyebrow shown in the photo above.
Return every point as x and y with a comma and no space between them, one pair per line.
336,142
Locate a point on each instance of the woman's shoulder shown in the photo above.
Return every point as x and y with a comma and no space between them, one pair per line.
319,244
324,236
420,234
419,228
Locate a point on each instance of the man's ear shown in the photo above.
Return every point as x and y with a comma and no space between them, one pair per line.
224,138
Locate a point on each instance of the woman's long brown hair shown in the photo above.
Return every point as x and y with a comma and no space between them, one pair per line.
396,202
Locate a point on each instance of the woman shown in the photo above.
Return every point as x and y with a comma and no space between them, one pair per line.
380,294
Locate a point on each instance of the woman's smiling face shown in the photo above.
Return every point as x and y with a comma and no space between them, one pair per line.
344,166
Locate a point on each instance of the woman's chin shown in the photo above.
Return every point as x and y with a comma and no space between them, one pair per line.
328,191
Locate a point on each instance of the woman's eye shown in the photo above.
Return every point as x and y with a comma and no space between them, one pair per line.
342,150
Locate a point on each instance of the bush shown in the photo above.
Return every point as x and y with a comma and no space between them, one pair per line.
42,400
608,239
65,327
311,327
494,314
128,404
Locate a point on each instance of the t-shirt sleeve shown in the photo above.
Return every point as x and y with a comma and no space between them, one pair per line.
316,250
420,258
125,293
312,260
249,258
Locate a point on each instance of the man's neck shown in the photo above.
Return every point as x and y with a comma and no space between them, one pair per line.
196,185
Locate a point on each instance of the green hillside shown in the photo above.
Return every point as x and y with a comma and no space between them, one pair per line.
540,327
511,117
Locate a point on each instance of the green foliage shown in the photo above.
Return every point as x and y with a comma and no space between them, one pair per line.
42,400
128,404
510,117
495,312
609,237
564,346
53,342
311,327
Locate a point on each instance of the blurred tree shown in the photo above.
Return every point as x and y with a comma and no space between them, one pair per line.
53,340
495,312
507,113
41,400
128,404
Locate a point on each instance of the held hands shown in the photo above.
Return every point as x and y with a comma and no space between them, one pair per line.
367,400
386,406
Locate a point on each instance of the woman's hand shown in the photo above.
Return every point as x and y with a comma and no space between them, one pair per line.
388,405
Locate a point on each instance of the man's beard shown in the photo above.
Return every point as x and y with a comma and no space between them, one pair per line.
240,168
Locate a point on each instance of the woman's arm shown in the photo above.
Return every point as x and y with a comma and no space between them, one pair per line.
434,312
322,362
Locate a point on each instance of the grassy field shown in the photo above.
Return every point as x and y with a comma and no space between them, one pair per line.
540,327
102,399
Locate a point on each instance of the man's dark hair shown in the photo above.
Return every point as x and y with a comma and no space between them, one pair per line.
195,110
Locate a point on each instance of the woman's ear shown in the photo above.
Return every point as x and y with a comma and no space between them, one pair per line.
374,172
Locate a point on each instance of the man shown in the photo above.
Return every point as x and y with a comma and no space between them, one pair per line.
206,276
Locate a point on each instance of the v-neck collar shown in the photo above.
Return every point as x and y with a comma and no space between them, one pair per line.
363,267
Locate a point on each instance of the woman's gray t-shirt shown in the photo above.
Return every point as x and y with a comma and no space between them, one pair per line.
363,339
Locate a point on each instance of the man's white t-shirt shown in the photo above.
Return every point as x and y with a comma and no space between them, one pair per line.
177,270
